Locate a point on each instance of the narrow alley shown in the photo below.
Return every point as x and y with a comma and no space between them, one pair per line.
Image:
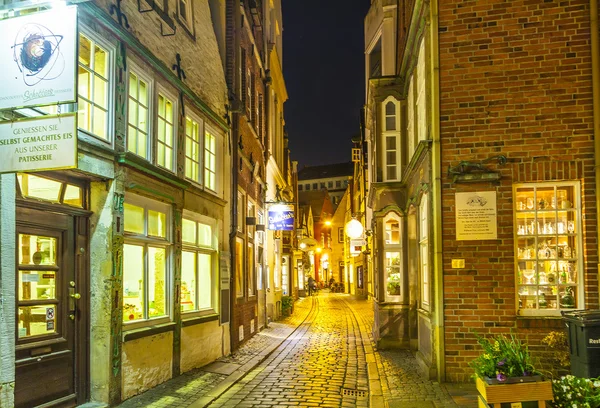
321,356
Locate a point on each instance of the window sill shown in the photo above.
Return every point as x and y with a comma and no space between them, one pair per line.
135,334
192,321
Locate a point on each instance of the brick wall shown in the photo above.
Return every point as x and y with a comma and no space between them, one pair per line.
515,79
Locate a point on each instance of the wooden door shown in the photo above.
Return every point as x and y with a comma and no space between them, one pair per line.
50,339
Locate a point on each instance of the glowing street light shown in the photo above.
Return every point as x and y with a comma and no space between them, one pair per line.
354,229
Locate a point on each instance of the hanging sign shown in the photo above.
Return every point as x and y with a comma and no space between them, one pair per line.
39,57
281,217
41,143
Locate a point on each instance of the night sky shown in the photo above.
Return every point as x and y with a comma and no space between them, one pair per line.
323,65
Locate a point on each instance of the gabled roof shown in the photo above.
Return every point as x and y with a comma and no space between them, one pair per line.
315,199
326,171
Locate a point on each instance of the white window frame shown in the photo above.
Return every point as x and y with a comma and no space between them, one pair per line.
141,75
424,268
206,250
394,248
110,50
198,164
210,132
161,90
241,213
574,209
395,134
188,18
410,118
146,241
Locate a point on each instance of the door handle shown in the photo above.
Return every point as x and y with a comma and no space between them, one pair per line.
72,297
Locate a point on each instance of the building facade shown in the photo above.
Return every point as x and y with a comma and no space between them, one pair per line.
117,285
333,177
480,122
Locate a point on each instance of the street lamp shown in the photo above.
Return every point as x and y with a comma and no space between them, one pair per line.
354,229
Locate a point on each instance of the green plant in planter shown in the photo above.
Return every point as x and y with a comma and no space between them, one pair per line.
287,305
502,357
393,285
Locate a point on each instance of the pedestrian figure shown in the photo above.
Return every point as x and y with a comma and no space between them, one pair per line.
311,285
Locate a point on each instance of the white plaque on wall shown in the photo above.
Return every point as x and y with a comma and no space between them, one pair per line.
476,216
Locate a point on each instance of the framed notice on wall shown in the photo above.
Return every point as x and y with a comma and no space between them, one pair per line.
476,216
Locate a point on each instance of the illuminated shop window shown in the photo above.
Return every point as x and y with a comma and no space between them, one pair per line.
393,258
251,270
239,268
197,263
146,265
94,76
424,251
548,244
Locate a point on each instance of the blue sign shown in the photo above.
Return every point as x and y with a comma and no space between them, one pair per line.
281,217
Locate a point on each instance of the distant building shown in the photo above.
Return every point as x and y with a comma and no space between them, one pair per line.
333,177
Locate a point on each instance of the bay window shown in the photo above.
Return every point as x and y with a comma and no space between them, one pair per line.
146,259
391,139
394,287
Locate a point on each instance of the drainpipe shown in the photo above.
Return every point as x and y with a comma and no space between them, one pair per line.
436,196
596,100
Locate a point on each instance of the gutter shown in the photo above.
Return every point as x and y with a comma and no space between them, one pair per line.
436,199
596,102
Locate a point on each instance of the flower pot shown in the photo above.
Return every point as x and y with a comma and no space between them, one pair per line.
525,394
513,380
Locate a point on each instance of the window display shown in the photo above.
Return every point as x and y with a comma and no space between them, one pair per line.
547,247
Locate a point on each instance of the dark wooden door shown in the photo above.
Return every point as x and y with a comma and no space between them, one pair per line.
49,339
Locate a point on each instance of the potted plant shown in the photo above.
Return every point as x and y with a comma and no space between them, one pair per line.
505,374
393,285
571,391
287,305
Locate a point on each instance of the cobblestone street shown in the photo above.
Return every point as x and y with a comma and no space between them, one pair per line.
321,356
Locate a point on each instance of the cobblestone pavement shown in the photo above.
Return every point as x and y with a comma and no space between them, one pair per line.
321,356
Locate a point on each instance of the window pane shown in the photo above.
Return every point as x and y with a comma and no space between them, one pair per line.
188,231
390,108
390,158
392,232
205,281
100,91
157,224
188,281
84,83
390,143
133,282
157,282
37,250
85,47
205,235
39,187
392,269
391,172
73,196
32,320
100,61
134,218
35,285
390,123
239,268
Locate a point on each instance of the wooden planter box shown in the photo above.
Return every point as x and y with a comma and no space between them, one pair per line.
518,395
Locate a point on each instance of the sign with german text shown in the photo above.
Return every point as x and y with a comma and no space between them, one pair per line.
281,217
39,56
476,216
41,143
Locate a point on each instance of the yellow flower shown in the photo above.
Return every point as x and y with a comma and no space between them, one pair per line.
496,346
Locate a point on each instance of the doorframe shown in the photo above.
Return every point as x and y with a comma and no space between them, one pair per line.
81,264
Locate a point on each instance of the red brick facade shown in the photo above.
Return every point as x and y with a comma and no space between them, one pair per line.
515,79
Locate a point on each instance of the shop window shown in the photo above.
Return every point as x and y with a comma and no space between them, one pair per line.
146,271
393,258
548,245
251,270
192,148
165,132
197,263
94,76
424,251
138,114
239,268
